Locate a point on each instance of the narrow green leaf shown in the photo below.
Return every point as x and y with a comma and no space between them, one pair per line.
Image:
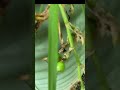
53,46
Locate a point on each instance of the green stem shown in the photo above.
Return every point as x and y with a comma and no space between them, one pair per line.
52,46
71,44
83,7
41,8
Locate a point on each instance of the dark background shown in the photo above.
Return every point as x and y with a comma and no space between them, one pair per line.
16,44
109,56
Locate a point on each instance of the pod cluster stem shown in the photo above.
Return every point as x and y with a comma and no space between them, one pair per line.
72,44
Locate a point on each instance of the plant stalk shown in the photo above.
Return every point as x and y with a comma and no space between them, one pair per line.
72,44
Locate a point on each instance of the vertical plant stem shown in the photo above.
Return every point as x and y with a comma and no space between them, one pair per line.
53,46
41,8
71,44
83,7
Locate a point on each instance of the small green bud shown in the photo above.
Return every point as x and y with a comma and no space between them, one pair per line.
60,66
